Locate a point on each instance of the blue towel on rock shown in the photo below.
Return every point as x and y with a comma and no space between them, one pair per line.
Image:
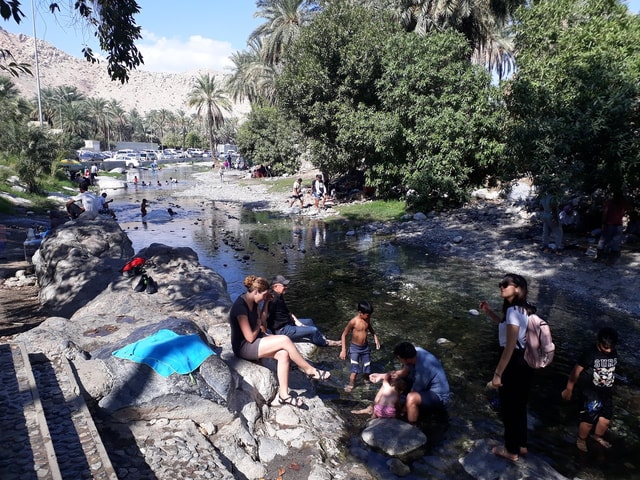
167,352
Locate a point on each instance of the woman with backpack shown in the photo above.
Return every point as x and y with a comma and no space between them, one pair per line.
512,375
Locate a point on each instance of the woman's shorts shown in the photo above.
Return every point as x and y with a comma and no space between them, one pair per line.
249,351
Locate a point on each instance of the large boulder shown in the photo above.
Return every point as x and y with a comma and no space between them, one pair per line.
77,262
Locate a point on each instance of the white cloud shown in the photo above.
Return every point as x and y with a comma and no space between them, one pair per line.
174,55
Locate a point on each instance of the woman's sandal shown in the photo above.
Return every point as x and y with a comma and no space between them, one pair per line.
501,451
320,375
292,401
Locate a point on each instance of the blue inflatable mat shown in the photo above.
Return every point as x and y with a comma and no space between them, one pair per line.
167,352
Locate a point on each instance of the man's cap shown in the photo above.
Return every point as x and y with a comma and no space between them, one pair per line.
280,279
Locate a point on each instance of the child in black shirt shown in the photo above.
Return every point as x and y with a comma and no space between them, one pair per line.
595,371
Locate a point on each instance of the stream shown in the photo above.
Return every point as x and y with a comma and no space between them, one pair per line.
416,297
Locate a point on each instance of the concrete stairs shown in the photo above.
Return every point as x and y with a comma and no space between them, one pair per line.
46,429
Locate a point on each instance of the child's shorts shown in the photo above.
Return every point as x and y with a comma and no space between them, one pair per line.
360,354
596,406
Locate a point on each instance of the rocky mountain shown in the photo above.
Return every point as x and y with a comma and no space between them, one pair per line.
145,91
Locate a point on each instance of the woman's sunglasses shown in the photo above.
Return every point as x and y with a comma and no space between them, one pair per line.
505,284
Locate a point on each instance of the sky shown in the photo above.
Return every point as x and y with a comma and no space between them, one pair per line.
196,34
177,36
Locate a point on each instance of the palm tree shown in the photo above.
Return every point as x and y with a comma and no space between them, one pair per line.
74,119
136,123
484,24
119,118
284,18
210,99
100,115
183,125
253,79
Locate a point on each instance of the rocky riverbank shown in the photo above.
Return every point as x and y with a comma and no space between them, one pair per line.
492,233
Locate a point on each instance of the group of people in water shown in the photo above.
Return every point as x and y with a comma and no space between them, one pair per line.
262,326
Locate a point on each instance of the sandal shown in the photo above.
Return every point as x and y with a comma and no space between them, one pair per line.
320,375
501,451
601,441
292,401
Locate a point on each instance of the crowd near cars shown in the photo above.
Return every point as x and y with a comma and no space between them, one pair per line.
129,158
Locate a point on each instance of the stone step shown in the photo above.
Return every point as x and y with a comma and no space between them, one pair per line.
65,434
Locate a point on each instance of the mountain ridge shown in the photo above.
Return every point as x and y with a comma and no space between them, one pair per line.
145,90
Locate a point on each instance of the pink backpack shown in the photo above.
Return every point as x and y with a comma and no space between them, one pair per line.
539,349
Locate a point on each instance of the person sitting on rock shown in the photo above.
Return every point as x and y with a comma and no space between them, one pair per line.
90,204
249,339
282,322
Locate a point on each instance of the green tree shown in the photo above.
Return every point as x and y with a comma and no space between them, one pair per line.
113,24
35,158
573,104
328,85
252,79
450,116
267,138
210,99
284,21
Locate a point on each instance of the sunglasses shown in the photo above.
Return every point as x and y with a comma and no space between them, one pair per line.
505,284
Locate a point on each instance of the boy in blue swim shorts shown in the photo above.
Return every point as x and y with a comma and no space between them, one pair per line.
359,351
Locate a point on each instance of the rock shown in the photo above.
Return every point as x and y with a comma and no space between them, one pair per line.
398,468
419,216
457,239
480,463
76,262
394,437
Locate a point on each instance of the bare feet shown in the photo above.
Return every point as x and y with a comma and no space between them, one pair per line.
320,375
349,388
501,451
333,343
581,443
601,441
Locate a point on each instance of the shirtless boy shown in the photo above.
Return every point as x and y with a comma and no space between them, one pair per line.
359,351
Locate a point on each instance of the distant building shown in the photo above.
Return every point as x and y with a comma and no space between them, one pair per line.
137,146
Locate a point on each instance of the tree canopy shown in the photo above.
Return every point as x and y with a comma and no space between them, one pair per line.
410,111
573,103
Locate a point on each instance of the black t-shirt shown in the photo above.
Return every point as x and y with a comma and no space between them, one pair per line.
240,307
279,314
599,370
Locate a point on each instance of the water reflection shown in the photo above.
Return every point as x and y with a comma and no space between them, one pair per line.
420,298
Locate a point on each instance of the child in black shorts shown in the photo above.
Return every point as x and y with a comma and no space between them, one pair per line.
595,372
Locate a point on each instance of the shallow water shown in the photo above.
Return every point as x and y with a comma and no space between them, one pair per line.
417,297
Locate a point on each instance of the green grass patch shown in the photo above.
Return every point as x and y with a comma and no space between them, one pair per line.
279,184
374,211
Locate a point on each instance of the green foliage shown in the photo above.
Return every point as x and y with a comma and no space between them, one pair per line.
193,140
450,119
375,211
35,158
411,111
267,138
329,86
574,103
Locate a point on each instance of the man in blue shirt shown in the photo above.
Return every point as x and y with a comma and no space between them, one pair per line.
429,385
